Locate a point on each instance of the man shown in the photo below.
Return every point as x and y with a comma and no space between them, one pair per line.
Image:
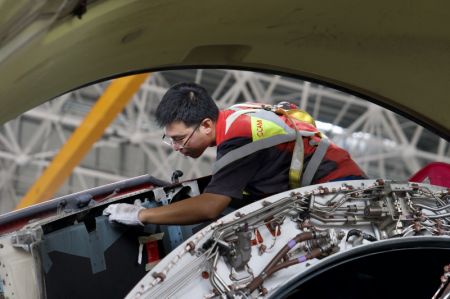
255,146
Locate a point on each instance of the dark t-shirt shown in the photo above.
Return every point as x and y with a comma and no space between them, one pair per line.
258,175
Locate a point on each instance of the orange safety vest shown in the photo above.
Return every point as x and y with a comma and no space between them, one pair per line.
269,126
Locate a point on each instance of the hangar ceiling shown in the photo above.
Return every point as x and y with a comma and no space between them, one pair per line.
385,144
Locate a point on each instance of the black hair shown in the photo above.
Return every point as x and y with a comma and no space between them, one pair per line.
186,102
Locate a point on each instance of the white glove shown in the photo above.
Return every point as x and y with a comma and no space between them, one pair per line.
124,213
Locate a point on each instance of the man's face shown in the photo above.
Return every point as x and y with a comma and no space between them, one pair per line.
190,141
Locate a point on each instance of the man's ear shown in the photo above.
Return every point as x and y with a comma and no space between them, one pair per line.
207,126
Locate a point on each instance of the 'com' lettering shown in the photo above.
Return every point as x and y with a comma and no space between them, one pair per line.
259,128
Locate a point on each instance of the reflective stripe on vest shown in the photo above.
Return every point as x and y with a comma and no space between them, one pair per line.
250,148
296,167
315,161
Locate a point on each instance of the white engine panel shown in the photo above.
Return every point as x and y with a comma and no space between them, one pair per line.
226,260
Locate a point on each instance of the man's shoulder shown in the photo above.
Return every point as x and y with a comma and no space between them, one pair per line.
229,127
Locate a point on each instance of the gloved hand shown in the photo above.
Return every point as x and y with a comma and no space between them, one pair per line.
124,213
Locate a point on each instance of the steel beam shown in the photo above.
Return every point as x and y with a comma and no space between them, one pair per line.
112,102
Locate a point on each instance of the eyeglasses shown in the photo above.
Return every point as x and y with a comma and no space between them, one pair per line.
179,141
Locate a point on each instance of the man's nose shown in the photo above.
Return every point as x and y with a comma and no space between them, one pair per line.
176,147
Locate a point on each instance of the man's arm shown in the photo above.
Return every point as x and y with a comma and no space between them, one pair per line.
206,206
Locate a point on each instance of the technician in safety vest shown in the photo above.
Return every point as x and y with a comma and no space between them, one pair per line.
261,150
